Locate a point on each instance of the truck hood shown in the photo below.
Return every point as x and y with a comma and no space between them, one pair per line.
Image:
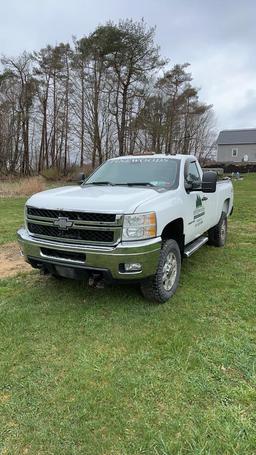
104,199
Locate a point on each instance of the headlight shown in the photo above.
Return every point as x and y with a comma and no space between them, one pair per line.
139,226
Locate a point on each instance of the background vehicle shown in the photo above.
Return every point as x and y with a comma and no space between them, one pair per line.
134,218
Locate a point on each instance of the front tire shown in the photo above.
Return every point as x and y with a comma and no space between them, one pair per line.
218,234
160,287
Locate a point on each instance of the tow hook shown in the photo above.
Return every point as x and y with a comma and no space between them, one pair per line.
96,281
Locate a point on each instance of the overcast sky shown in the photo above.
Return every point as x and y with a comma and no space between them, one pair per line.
217,37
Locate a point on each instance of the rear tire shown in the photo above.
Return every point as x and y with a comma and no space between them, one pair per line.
218,234
160,287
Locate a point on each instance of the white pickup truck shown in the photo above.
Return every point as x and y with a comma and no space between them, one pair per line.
134,218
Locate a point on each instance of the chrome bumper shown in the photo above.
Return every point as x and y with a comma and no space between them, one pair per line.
108,259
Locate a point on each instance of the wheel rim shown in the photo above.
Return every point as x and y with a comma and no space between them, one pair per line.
170,269
223,230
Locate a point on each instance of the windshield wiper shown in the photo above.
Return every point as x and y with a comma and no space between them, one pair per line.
139,184
100,183
122,184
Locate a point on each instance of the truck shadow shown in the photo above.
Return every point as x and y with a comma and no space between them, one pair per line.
81,293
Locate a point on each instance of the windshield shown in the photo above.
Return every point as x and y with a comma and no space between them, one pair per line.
155,172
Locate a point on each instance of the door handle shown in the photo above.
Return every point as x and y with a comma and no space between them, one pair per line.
204,198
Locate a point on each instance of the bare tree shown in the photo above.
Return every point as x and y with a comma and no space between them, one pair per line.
99,97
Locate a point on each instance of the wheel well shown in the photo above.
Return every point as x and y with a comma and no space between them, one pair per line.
226,206
175,230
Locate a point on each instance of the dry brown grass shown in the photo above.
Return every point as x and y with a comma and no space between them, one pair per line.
22,187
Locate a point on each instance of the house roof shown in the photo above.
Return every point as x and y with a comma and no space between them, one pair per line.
245,136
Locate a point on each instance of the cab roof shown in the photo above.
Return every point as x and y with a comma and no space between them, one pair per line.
151,156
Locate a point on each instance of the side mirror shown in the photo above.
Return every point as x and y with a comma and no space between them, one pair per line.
209,182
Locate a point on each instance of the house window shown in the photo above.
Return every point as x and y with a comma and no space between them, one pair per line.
234,152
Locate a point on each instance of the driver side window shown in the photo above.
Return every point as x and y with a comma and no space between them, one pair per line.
192,174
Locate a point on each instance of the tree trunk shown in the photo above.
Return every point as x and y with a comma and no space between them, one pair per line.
123,121
82,119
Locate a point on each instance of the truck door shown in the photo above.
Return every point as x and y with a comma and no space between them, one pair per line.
210,201
195,218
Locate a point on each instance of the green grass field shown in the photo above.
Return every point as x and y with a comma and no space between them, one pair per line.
102,372
11,218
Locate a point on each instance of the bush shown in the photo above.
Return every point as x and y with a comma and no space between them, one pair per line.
234,167
51,174
54,174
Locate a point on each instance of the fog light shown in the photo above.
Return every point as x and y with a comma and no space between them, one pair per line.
133,267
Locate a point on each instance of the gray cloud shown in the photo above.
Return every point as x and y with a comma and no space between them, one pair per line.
245,114
217,37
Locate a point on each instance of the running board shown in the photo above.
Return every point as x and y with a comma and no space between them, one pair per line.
194,246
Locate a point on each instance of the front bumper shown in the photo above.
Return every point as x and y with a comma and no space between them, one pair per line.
108,260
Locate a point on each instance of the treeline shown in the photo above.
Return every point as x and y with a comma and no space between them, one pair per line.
105,94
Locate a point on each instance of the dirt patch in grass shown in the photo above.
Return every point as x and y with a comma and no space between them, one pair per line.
11,262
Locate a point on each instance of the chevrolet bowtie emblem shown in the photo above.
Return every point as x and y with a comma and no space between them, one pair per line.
63,223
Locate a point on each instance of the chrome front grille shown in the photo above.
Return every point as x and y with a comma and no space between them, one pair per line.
74,227
79,216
